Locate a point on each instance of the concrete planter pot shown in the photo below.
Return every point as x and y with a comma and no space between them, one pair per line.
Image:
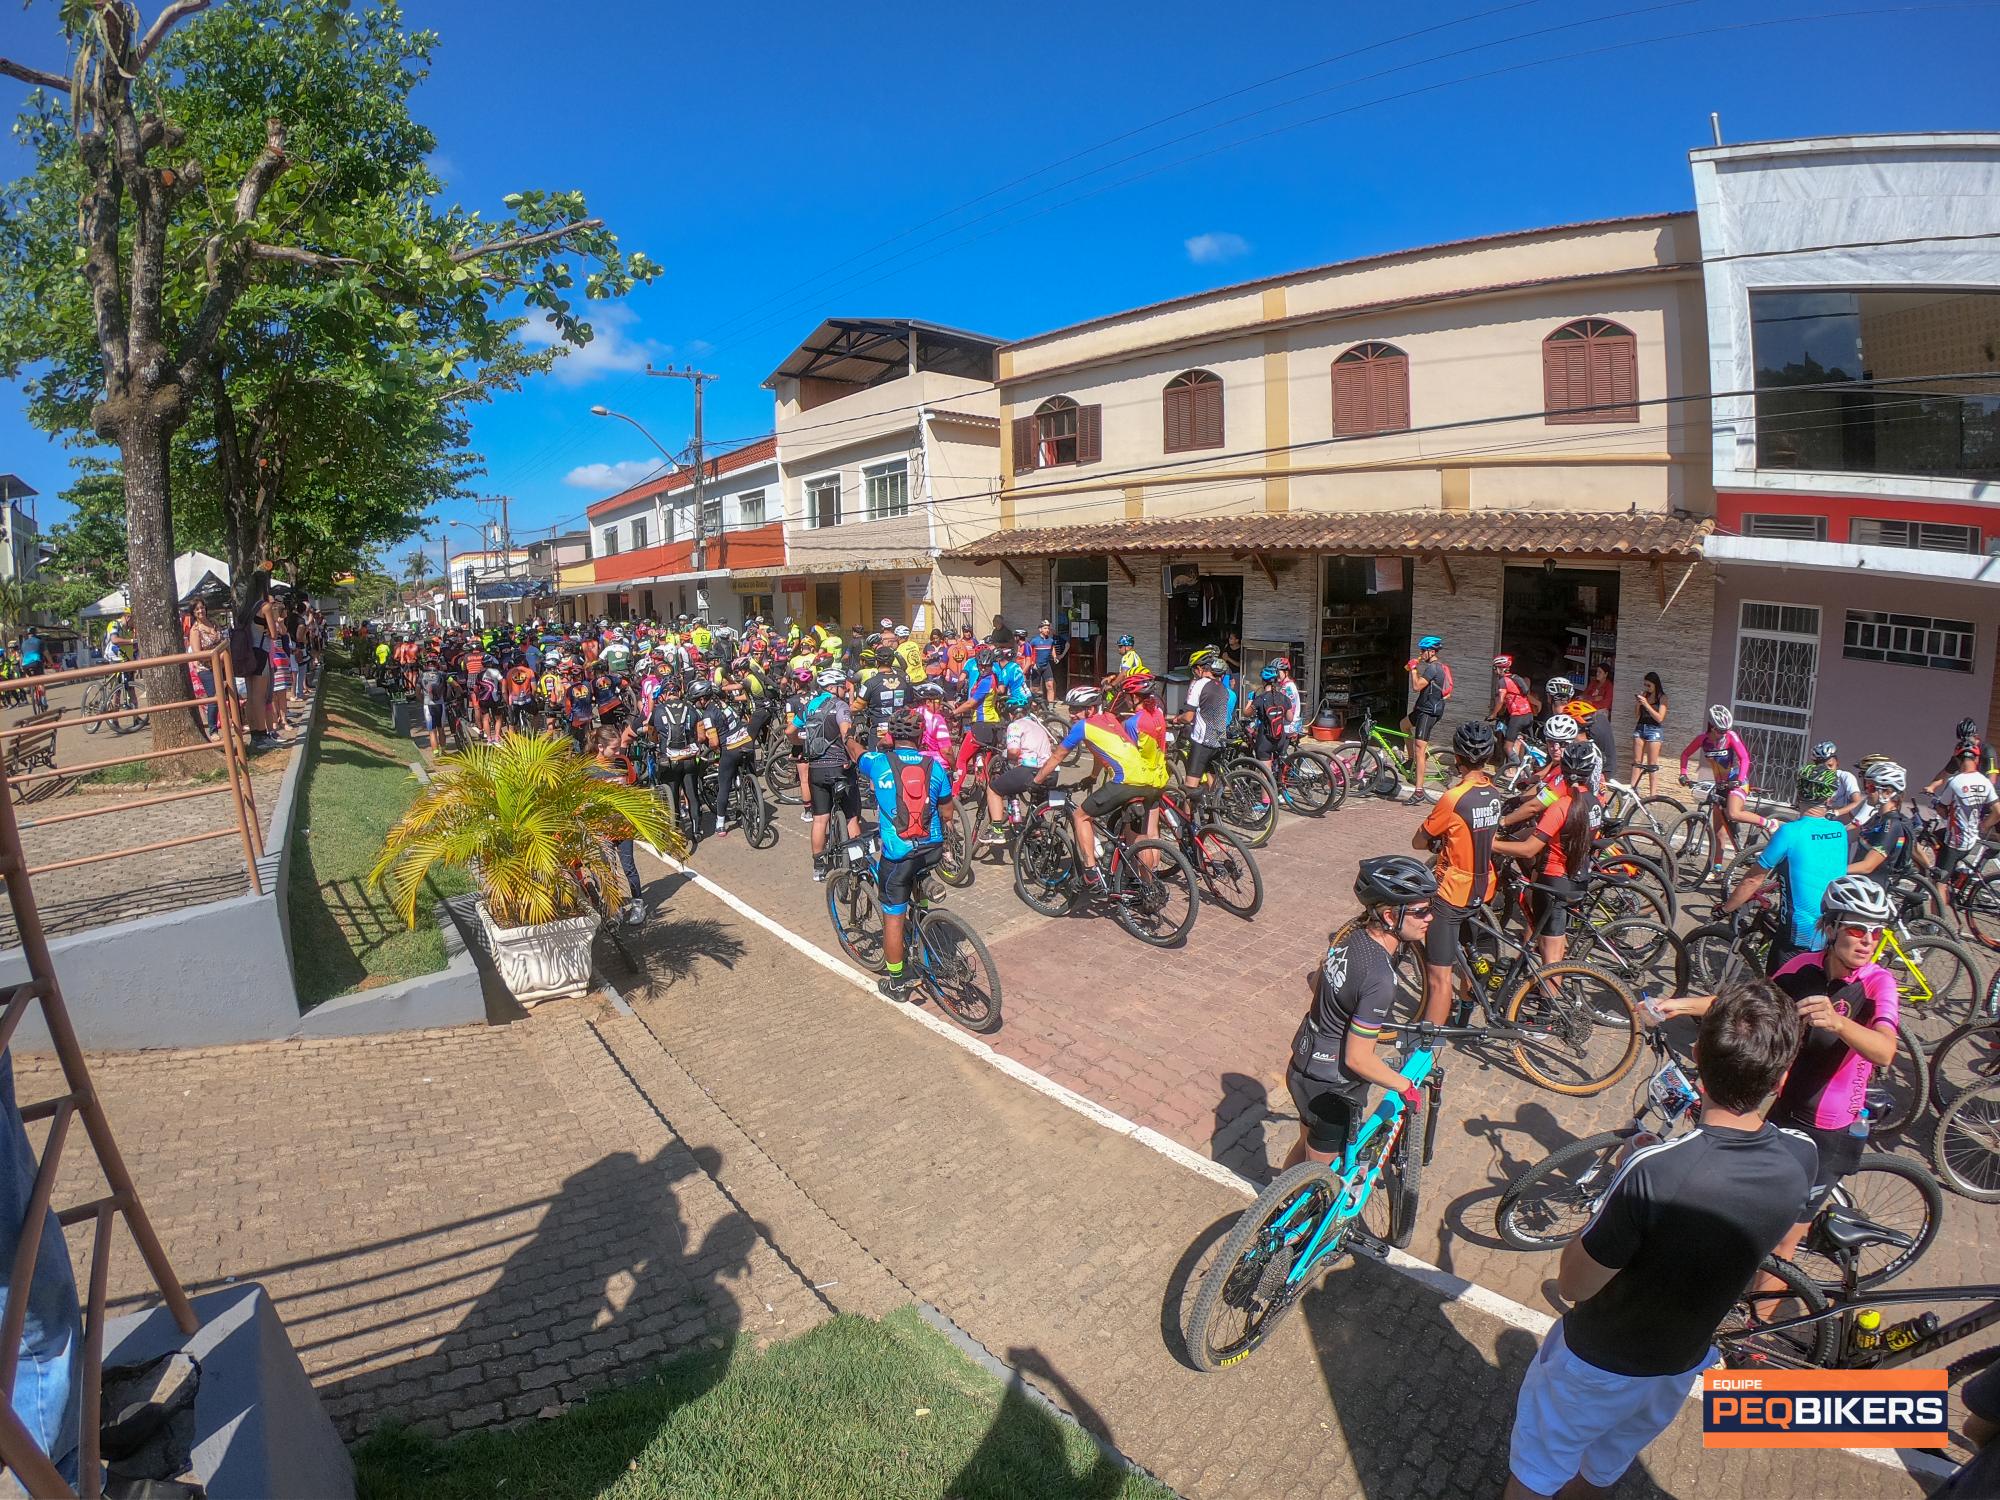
544,962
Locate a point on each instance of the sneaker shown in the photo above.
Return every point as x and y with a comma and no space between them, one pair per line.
806,816
993,838
896,987
819,871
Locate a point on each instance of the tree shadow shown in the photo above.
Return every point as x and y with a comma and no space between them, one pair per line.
1238,1139
613,1278
1023,1452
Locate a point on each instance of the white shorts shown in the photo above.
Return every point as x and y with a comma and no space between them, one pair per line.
1572,1418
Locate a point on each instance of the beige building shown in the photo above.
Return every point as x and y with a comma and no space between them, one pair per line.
888,435
1479,439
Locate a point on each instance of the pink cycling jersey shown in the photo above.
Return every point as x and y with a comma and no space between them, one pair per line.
1828,1083
937,735
1728,755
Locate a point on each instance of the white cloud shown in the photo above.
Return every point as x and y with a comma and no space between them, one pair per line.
611,350
1216,247
610,478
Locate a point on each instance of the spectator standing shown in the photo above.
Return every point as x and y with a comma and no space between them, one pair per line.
1648,731
1597,692
203,637
1671,1247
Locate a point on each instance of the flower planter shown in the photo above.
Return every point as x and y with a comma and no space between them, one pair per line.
544,962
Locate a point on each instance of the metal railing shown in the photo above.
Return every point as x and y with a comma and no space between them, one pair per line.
228,742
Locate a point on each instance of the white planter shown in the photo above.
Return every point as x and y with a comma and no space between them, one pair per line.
544,962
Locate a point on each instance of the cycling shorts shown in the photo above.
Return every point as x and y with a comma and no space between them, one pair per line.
1327,1111
898,877
988,735
1550,909
1422,723
1200,758
1443,941
1113,795
1839,1154
835,787
1039,675
1013,781
1516,724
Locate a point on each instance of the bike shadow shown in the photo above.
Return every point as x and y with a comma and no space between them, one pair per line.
1515,1145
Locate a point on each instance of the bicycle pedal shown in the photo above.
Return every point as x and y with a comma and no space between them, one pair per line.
1361,1242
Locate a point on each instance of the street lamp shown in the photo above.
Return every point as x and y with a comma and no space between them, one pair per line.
697,554
481,532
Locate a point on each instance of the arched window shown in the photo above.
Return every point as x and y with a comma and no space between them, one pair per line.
1191,411
1058,432
1590,370
1371,391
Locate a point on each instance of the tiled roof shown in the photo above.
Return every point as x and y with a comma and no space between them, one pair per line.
759,452
1491,533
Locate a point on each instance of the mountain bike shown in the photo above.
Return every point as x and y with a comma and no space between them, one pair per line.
1379,760
1306,780
1148,886
114,696
1310,1216
1221,859
950,963
1245,795
747,808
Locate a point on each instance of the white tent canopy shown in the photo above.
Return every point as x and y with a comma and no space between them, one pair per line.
194,572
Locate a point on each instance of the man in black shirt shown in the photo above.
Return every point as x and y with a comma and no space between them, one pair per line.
1671,1246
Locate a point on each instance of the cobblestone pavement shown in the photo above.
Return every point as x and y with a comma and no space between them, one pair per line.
1193,1042
459,1227
1069,1250
142,885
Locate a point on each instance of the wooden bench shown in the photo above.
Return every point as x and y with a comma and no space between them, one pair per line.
34,750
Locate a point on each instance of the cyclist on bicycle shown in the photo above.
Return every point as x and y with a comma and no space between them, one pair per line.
1987,763
1206,715
1269,713
1812,851
1556,694
1558,733
1129,660
985,693
1558,847
831,746
1729,758
1971,808
1027,749
1596,728
1333,1057
909,787
1461,828
1885,846
1511,712
937,740
1430,680
1849,1005
1133,772
1847,798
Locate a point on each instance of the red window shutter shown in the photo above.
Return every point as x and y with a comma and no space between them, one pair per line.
1392,393
1089,434
1024,444
1175,413
1617,382
1206,424
1353,396
1565,379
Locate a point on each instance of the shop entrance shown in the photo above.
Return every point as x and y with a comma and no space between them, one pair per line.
1203,609
1364,637
826,600
1082,599
1559,621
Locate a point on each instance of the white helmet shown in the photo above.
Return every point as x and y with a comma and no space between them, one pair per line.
1721,717
831,678
1886,773
1856,897
1560,729
1561,689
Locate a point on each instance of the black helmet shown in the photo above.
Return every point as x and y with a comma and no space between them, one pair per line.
1968,728
1473,742
906,726
1579,759
1393,880
700,690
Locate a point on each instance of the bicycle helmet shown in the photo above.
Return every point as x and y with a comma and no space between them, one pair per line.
1887,774
1579,761
803,676
831,678
1967,729
1815,785
1560,729
930,692
1503,662
1396,880
1721,717
1560,690
902,632
1824,750
1430,642
1472,742
1580,709
1124,641
1855,898
1138,684
700,690
1082,699
1282,663
1269,674
983,656
1204,657
906,726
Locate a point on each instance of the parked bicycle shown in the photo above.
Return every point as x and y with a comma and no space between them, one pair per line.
950,962
1220,858
1149,888
117,700
1378,761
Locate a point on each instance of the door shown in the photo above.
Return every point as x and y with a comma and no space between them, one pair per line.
826,600
885,599
1777,658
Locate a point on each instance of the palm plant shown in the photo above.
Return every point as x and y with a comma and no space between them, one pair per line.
521,815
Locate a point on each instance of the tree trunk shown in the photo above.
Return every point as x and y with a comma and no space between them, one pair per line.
149,559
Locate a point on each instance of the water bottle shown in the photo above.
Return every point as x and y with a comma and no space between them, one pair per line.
1867,1335
1903,1335
1651,1006
1859,1129
1482,968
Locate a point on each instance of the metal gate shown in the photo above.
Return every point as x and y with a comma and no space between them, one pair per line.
885,595
1777,660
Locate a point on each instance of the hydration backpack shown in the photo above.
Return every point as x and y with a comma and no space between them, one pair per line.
914,805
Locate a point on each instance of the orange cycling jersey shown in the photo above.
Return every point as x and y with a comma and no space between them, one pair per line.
1466,819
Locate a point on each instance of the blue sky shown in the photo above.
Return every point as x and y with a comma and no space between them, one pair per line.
753,157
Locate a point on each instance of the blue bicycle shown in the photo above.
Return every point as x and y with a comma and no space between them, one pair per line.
1309,1217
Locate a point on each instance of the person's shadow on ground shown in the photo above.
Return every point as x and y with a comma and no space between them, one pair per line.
1023,1452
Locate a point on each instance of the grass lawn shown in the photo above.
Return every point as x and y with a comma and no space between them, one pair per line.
855,1408
344,934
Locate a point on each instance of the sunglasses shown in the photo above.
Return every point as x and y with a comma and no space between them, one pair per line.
1858,930
1417,911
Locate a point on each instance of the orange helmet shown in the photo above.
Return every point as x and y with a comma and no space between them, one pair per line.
1579,709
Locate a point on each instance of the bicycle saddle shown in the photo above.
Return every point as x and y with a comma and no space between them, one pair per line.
1843,1229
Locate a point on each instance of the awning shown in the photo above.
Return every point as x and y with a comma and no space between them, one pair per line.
488,590
1844,557
1361,533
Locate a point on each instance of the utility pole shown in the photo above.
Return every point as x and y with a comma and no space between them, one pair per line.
697,379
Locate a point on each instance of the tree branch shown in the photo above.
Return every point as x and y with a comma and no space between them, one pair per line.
224,267
460,257
166,21
35,76
263,171
292,255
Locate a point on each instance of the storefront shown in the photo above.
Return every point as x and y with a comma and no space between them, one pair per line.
1559,621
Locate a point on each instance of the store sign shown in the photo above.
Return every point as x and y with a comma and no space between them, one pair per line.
791,585
917,587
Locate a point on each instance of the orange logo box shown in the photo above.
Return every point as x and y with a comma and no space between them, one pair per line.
1823,1409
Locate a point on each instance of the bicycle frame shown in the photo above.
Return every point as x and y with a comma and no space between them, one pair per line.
1946,1334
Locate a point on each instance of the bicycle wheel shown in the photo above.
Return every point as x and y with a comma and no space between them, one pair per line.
1643,882
1305,782
93,703
781,779
1247,800
1046,869
1897,1094
1979,909
1937,985
1585,1031
957,971
1965,1148
955,868
1248,1288
1643,953
1716,955
1227,870
856,913
1688,840
1608,898
1403,1182
1747,1345
1967,1059
1544,1207
1156,903
1890,1191
1366,771
754,813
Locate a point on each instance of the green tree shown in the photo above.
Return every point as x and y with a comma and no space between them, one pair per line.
159,203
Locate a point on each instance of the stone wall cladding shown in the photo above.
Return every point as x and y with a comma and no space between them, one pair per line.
1469,621
1674,642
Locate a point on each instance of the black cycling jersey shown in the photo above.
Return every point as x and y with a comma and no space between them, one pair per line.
1354,995
1895,835
882,695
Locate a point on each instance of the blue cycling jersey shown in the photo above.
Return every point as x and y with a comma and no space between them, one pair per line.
1813,854
878,768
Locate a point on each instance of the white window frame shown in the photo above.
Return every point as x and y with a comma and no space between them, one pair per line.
638,533
871,475
711,515
1964,630
610,537
743,517
812,486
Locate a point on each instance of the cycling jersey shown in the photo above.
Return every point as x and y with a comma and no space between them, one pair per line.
1353,996
728,730
1813,852
1114,748
912,657
882,695
1129,661
1514,697
1892,835
1028,743
938,736
879,768
1148,721
1828,1082
1728,757
1207,698
1964,800
988,693
1466,818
